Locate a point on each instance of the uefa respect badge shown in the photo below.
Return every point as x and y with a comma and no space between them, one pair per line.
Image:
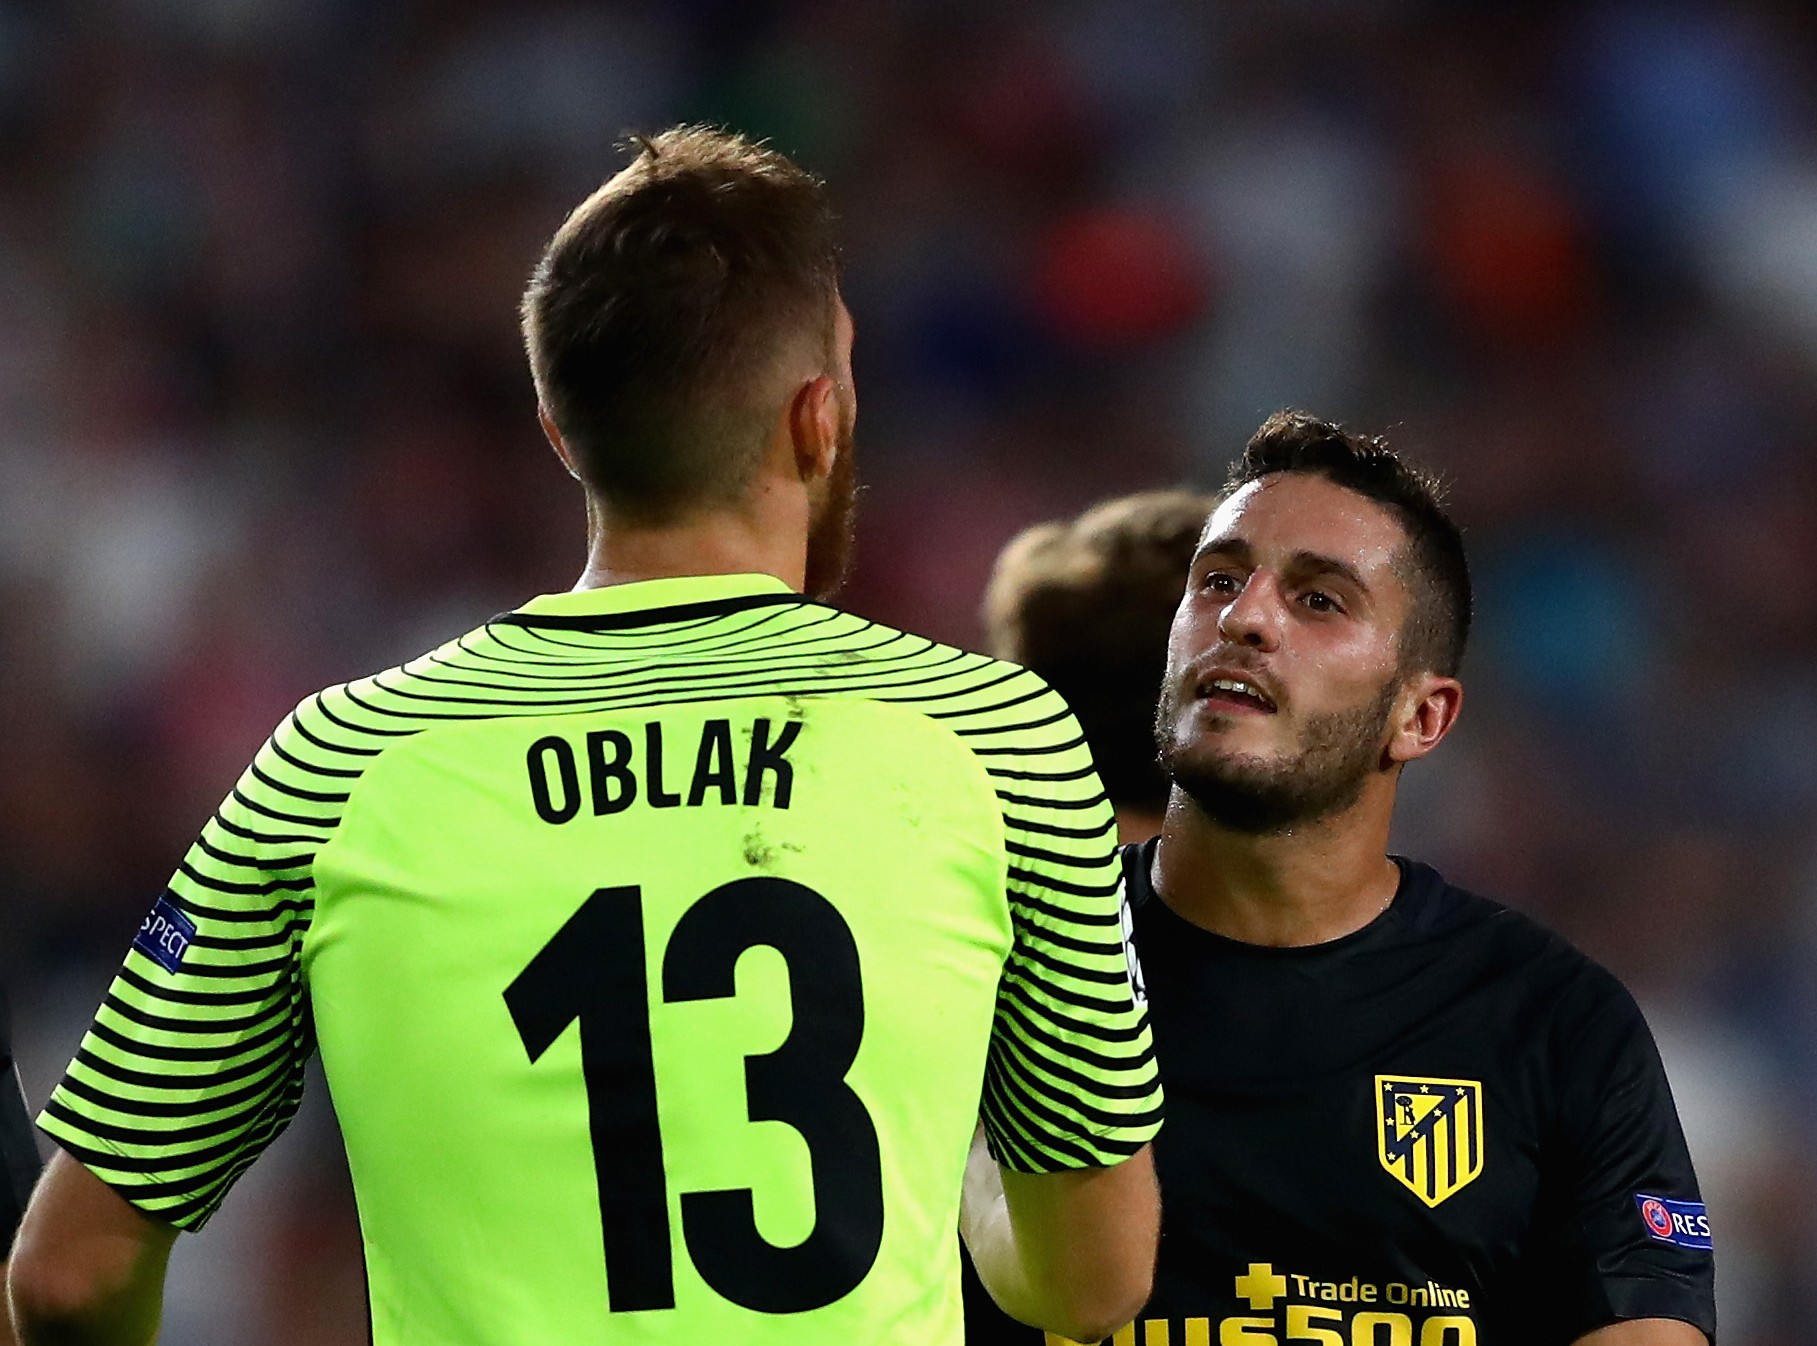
1684,1224
165,935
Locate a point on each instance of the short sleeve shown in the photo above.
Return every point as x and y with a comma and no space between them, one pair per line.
1635,1239
194,1062
1071,1079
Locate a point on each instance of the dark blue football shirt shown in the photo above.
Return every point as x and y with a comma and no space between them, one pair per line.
1449,1128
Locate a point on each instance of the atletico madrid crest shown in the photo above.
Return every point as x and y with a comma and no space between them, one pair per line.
1429,1133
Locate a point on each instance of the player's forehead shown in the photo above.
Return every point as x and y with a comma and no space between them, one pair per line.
1290,514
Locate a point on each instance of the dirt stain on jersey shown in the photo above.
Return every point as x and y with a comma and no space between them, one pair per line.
760,851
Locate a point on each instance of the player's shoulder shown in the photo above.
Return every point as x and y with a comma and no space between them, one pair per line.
478,675
864,640
1504,941
993,703
338,731
365,715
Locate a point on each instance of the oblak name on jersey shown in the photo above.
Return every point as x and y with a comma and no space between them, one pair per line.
728,768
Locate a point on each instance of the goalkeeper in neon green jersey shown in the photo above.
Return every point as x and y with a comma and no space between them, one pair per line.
664,939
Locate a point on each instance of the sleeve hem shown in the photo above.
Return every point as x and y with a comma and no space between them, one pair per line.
1652,1299
1104,1153
81,1147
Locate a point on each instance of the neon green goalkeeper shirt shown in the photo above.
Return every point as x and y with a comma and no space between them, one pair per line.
662,943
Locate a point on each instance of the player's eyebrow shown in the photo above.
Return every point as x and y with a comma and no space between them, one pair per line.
1303,562
1316,563
1234,547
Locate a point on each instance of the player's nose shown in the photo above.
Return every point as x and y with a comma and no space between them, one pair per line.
1253,616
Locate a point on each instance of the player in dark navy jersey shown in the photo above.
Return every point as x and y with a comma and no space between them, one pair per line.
1401,1115
1447,1126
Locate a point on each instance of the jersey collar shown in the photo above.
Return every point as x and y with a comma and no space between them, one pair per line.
1411,901
650,601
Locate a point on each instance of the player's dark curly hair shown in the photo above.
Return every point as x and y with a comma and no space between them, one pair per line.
1435,569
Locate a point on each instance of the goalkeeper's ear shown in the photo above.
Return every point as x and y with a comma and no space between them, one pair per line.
556,442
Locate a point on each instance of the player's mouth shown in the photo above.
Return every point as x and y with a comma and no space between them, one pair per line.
1235,693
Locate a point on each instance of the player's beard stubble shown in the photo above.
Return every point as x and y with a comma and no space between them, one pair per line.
1256,796
832,529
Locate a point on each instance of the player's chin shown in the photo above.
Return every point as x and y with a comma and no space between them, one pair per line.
1201,737
1212,757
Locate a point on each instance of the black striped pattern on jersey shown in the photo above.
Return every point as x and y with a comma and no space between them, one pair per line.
185,1077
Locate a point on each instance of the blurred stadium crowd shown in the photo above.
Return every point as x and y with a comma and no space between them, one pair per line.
264,425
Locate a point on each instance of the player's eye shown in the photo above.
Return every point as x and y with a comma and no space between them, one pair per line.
1320,601
1222,582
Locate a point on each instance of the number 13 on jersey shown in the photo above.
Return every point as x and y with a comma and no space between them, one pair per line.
592,973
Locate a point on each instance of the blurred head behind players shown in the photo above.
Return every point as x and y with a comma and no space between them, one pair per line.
692,359
1313,655
1086,603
